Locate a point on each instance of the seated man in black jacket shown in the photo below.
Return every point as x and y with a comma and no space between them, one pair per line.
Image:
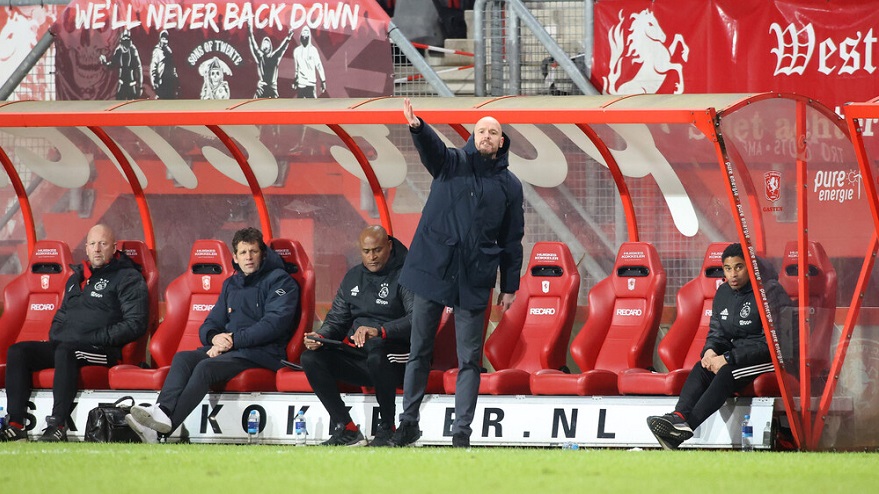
371,314
248,327
735,351
105,306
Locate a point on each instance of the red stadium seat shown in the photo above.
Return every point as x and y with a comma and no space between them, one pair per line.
32,298
188,299
822,305
681,347
535,331
296,263
620,331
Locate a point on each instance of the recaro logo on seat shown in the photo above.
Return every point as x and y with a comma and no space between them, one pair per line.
202,307
629,312
42,307
542,311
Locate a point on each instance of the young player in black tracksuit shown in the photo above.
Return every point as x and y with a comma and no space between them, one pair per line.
105,306
735,351
372,315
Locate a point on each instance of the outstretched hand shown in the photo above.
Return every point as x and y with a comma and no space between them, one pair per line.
409,112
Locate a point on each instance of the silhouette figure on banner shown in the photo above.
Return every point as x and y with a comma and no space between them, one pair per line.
308,67
163,72
126,58
267,61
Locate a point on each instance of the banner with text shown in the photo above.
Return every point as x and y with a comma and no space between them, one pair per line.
131,49
826,50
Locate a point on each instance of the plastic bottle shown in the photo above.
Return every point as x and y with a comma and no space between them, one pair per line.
252,426
570,445
747,434
2,418
300,429
767,435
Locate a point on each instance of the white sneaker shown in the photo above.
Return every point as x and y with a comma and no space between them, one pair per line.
153,417
146,434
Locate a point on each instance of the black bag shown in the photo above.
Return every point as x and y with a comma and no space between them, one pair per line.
106,423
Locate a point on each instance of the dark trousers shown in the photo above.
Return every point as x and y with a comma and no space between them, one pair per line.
367,366
426,316
26,357
705,392
190,379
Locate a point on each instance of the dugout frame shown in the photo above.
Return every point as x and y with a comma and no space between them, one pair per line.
688,131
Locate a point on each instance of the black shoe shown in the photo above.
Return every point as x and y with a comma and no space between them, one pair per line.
55,431
406,434
460,440
11,433
344,437
383,436
670,430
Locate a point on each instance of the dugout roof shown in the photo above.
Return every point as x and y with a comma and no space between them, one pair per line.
681,171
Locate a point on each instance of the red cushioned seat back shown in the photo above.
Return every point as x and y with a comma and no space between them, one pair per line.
297,263
32,298
135,352
534,332
623,313
189,298
822,297
682,346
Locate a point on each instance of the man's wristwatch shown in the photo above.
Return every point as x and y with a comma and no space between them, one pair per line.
727,357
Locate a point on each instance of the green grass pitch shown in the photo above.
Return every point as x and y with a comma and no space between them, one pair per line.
157,469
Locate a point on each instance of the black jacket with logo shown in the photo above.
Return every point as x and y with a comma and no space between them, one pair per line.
110,310
376,300
735,325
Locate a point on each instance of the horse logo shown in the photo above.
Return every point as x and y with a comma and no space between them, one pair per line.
646,43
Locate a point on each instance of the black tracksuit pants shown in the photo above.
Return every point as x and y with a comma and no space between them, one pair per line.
367,366
705,392
26,357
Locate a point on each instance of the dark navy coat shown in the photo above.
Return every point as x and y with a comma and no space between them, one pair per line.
259,310
471,227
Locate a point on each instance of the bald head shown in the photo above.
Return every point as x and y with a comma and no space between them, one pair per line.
100,245
488,137
375,247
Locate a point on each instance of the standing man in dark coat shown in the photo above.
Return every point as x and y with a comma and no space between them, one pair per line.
471,227
371,314
249,327
105,306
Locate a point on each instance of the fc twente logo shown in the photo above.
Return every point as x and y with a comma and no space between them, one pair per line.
646,47
772,185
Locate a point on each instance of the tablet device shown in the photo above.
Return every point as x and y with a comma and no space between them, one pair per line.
291,365
325,341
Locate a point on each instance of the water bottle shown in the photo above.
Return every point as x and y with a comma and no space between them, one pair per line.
2,418
252,426
570,445
299,428
767,435
747,434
